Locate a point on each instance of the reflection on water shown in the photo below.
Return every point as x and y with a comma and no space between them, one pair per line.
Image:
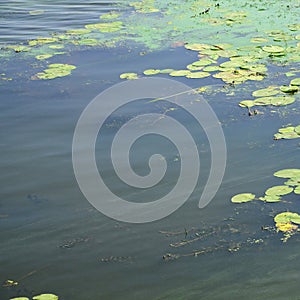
52,240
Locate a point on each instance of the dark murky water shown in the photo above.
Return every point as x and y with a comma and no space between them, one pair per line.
53,240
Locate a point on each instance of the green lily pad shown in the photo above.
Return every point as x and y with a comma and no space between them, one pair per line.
129,76
288,173
269,91
198,75
56,46
41,41
211,69
270,199
79,31
151,72
197,47
242,198
179,73
106,27
295,81
297,190
43,56
36,12
293,182
282,100
166,71
55,71
287,217
289,89
109,16
263,101
19,298
247,103
259,40
45,297
279,190
273,49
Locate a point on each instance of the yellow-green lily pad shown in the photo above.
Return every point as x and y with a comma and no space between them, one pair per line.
269,91
247,103
242,198
288,173
282,100
286,217
295,81
179,73
129,76
289,89
273,49
279,190
151,72
45,297
198,75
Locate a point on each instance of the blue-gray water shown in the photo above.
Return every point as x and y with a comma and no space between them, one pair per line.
53,240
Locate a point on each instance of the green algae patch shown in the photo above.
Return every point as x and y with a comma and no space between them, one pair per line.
242,198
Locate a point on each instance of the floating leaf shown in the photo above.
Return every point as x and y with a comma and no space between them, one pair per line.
197,47
36,12
129,76
287,217
151,72
242,198
41,41
295,81
19,298
45,297
282,100
279,190
80,31
43,56
263,101
273,49
289,89
106,27
269,91
197,75
270,199
288,173
247,103
55,71
166,71
109,16
180,73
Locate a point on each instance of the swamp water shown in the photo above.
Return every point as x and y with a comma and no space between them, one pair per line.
54,241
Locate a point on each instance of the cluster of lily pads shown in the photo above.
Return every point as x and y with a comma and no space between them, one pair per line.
54,71
286,221
274,95
288,133
157,24
38,297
